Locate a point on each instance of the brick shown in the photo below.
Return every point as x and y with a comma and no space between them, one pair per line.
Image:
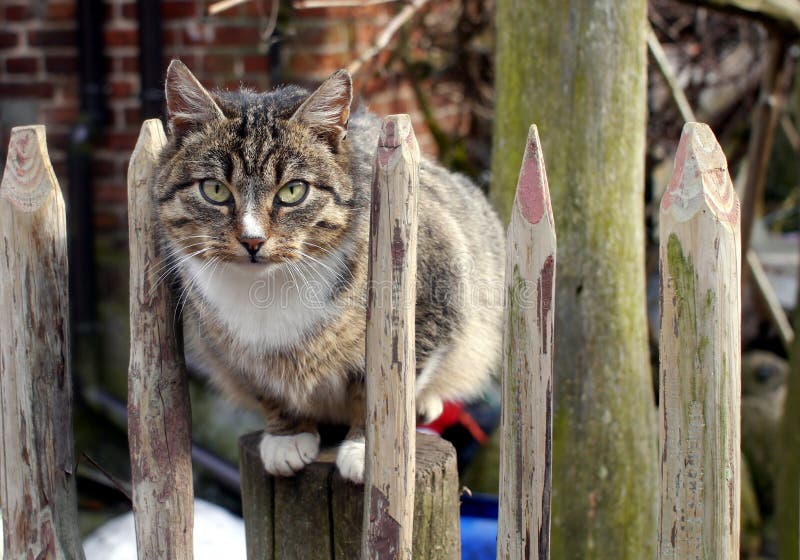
236,35
52,38
121,88
332,36
8,39
132,117
60,11
315,65
129,11
27,89
256,63
120,140
129,63
219,63
121,37
17,13
113,192
60,114
58,64
172,9
22,65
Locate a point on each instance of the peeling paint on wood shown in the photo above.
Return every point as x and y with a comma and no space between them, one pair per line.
37,487
159,419
527,377
700,355
390,360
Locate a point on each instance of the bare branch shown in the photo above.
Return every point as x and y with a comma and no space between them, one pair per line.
386,35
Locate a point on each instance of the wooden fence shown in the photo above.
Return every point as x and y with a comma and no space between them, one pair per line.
699,390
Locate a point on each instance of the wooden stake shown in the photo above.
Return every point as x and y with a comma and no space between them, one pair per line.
527,418
159,418
700,355
390,360
37,458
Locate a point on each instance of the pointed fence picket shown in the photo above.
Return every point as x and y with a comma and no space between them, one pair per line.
159,415
700,354
527,383
408,507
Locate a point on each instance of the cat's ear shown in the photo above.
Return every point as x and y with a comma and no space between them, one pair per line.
327,110
188,103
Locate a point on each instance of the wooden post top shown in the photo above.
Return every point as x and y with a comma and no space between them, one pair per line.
533,191
700,179
29,178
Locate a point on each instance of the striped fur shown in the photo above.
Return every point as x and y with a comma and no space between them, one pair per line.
284,331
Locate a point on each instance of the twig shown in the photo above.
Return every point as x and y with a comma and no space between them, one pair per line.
223,5
776,314
765,120
781,13
665,69
125,491
308,4
386,35
790,131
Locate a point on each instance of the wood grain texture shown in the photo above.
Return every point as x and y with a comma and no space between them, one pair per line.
390,360
588,99
37,462
159,418
700,355
327,510
527,382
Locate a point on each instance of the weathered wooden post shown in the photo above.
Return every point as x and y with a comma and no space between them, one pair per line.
391,365
527,384
37,461
317,514
700,355
159,419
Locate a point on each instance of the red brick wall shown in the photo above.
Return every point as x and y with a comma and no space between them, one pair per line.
39,66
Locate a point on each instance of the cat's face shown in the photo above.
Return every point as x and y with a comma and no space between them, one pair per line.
256,180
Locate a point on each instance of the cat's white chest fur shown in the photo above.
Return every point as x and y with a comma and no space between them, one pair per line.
267,308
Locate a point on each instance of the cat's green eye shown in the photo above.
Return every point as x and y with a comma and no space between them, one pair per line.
292,193
215,192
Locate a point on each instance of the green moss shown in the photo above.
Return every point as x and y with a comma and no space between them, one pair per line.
583,84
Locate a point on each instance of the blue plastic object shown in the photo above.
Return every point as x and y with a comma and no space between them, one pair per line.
479,527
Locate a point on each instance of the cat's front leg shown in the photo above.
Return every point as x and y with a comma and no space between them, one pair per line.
352,451
287,445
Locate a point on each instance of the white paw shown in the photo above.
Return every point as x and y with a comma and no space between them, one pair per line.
429,408
285,455
350,460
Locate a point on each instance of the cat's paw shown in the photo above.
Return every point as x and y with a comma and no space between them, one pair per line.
429,408
350,460
286,455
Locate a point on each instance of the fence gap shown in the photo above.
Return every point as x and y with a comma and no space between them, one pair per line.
390,359
159,416
700,256
527,382
37,457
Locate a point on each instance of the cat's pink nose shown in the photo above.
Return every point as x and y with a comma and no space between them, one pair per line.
252,244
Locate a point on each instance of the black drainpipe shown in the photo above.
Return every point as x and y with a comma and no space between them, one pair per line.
150,54
84,134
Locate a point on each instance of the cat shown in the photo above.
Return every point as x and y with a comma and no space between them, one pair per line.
262,201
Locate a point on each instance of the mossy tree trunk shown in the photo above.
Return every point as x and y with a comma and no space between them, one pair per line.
577,70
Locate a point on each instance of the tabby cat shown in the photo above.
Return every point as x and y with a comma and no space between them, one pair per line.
262,201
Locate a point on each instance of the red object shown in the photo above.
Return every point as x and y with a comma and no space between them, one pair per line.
453,413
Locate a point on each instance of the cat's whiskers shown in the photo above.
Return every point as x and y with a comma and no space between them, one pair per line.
184,296
309,291
173,266
336,273
329,252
